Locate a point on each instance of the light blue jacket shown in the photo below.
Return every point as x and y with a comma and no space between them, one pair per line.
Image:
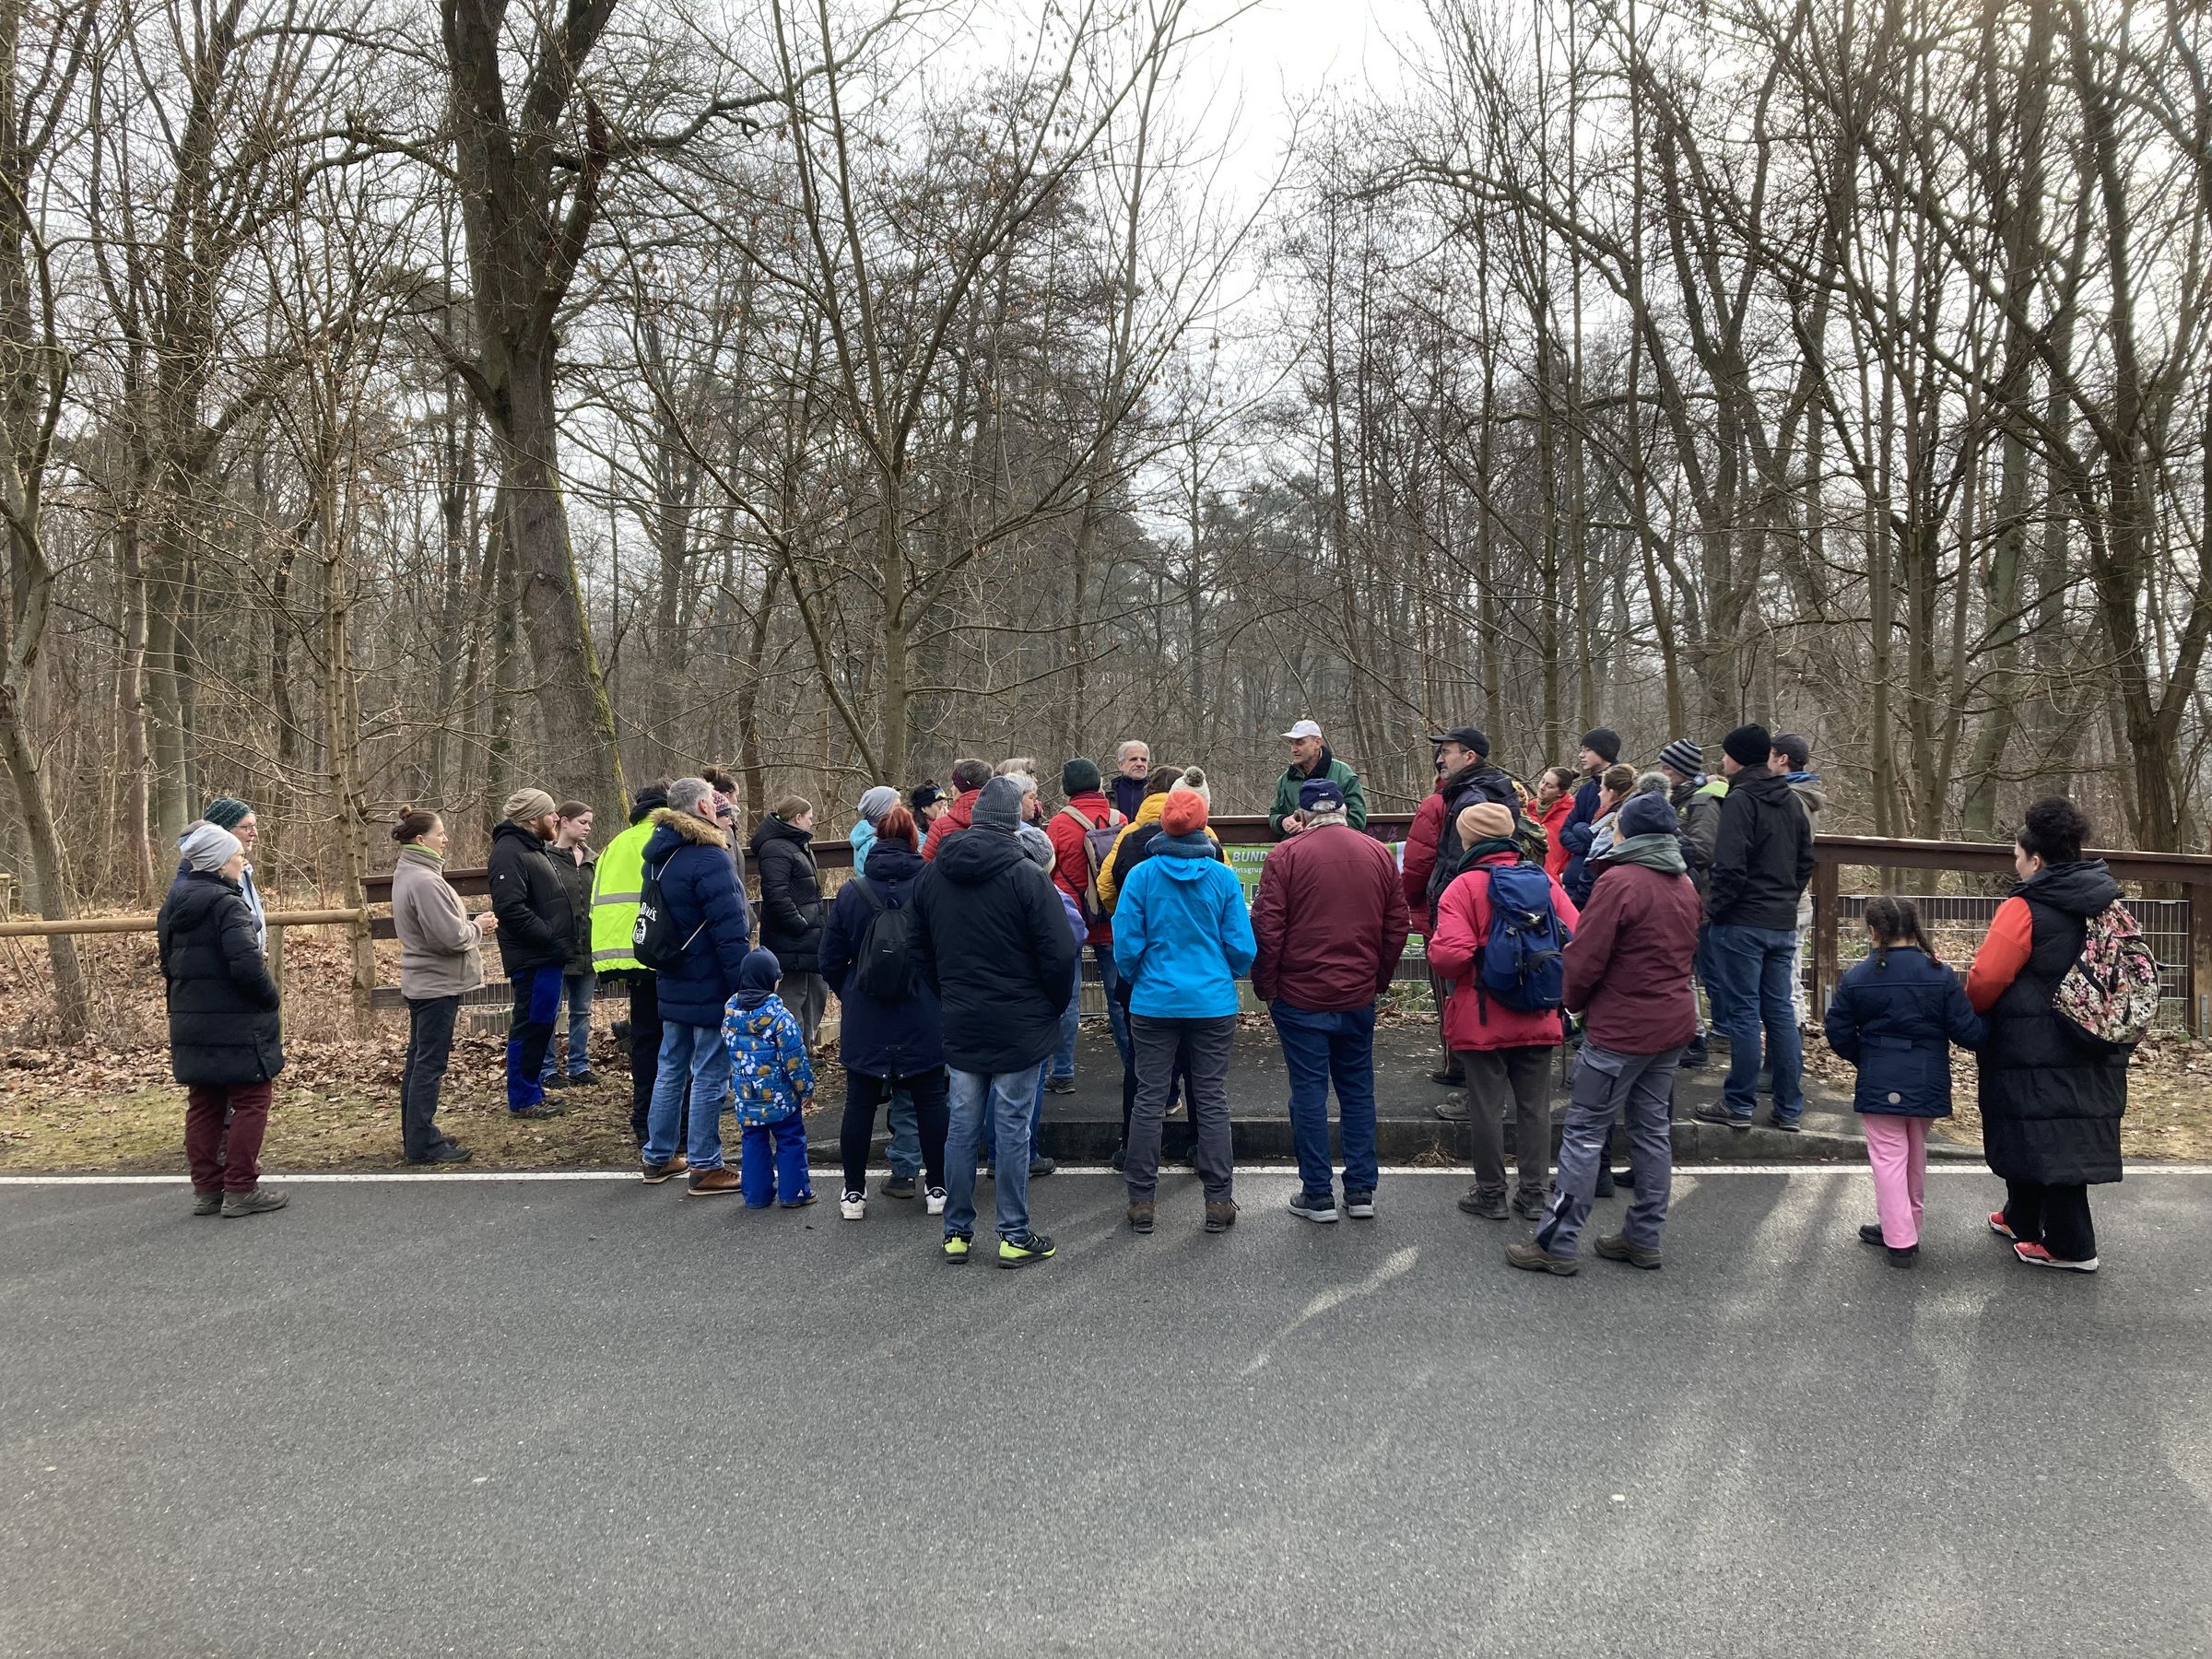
1182,935
861,840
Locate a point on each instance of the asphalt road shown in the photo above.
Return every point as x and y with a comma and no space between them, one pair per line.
513,1418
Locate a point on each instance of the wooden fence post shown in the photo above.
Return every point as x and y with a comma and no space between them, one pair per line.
2199,1006
1828,886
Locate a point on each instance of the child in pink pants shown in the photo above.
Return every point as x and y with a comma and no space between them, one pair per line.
1895,1017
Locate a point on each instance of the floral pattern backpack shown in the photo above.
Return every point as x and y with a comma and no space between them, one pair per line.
2110,994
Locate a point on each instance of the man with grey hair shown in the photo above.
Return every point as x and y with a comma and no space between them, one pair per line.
687,861
537,926
1132,770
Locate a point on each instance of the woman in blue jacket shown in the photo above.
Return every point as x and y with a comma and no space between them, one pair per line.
1180,940
893,1035
1895,1017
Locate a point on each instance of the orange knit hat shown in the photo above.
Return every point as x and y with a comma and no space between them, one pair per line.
1185,813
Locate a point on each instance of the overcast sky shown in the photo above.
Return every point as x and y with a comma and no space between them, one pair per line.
1284,52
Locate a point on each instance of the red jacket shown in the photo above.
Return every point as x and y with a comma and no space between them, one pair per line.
1071,865
1330,921
960,815
1554,820
1628,965
1462,927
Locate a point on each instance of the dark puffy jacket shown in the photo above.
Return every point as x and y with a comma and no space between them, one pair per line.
537,928
577,878
791,895
223,1025
1476,781
1762,857
997,947
900,1038
1697,805
1895,1017
1580,831
2050,1104
698,885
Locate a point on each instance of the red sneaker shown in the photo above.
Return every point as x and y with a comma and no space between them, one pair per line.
1996,1224
2035,1255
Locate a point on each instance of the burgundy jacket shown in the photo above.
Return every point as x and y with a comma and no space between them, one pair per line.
1628,965
1330,919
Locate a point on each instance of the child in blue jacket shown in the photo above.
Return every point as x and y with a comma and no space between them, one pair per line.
1895,1017
774,1084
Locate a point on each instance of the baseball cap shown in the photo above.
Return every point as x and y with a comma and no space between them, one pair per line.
1468,737
1319,795
1304,728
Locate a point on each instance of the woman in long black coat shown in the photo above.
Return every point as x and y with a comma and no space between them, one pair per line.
790,908
2050,1103
224,1043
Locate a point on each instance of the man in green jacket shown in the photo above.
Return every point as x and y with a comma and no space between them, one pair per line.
1309,757
616,888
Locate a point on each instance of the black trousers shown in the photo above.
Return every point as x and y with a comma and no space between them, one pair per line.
646,1053
1179,1083
931,1091
429,1045
2057,1218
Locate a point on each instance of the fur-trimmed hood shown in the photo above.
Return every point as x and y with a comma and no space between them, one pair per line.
694,829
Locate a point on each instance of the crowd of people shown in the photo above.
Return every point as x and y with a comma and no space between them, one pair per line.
1583,911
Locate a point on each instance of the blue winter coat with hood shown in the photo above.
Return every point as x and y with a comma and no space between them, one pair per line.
698,885
1182,935
882,1038
1895,1017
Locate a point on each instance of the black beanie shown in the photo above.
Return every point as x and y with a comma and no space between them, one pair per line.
1079,777
1603,741
1748,746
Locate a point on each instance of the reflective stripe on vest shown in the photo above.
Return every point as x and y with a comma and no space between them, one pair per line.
616,888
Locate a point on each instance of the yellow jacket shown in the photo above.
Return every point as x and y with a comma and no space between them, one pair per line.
1147,812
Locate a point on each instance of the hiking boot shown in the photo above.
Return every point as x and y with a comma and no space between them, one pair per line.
1359,1203
1452,1112
1031,1247
538,1113
446,1152
1450,1078
1120,1156
1718,1114
207,1202
1625,1180
656,1173
1140,1216
853,1205
1221,1214
557,1080
1060,1086
1910,1254
958,1247
1491,1206
898,1186
1041,1167
934,1198
1528,1206
586,1079
712,1183
262,1199
1314,1206
1618,1249
1695,1057
1532,1260
1787,1125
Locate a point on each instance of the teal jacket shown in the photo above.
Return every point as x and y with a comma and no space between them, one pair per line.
1338,773
1182,936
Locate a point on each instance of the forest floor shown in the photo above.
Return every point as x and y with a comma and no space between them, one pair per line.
107,1104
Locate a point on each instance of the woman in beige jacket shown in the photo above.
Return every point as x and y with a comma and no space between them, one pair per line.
440,961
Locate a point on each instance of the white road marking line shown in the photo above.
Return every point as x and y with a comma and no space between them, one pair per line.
428,1178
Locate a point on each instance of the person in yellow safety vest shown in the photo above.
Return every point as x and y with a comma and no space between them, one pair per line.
614,893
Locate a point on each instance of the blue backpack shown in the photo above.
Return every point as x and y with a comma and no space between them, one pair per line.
1522,963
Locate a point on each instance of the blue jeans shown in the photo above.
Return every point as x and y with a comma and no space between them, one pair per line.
771,1160
1751,966
692,1057
529,1031
578,988
1317,1047
1063,1063
1007,1097
1036,1126
905,1154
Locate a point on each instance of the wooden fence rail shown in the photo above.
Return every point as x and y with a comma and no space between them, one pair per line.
2191,873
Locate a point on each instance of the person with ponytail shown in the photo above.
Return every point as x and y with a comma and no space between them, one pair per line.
440,961
1894,1017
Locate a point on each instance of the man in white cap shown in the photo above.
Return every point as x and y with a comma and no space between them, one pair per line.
1309,757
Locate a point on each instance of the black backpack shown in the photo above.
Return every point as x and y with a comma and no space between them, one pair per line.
654,940
883,966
